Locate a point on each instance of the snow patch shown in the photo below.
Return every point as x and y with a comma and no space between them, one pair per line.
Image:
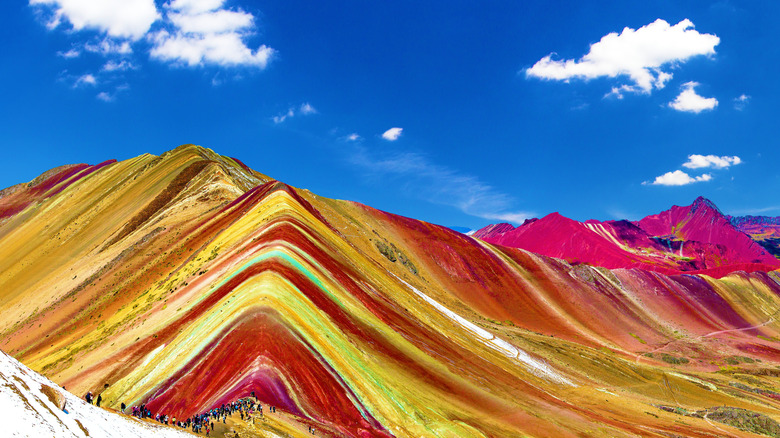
31,406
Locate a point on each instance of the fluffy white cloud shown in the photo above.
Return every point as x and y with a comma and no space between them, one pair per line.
118,18
640,54
187,32
392,134
201,33
352,137
226,49
696,161
678,178
691,102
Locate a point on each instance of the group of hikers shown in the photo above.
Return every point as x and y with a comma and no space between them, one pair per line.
91,397
246,407
204,422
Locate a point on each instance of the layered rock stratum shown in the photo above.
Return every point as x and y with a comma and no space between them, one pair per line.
188,280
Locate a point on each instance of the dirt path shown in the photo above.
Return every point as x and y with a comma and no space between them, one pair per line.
718,332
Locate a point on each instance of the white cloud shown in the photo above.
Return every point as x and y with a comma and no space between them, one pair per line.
640,54
304,109
196,6
122,65
190,33
118,18
70,54
352,137
282,117
741,102
696,161
105,97
307,109
392,134
87,79
211,22
108,47
201,33
226,49
439,185
678,178
691,102
618,92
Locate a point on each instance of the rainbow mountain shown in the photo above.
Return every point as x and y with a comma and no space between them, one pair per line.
188,280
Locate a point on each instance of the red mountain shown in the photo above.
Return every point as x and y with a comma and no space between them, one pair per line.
683,239
703,222
612,244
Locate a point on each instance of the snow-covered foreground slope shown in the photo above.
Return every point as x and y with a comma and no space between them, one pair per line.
32,406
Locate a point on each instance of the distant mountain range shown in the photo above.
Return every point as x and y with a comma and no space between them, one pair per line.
693,238
764,230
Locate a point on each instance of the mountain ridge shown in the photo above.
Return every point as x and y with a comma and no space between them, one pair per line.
694,238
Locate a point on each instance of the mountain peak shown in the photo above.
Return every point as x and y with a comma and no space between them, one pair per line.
702,202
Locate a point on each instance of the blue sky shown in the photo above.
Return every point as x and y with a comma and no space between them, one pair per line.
502,110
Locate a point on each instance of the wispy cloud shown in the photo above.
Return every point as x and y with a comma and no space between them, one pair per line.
304,109
439,184
105,97
108,47
689,101
741,102
70,54
392,134
282,117
113,65
618,214
84,80
307,109
755,211
645,56
619,92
